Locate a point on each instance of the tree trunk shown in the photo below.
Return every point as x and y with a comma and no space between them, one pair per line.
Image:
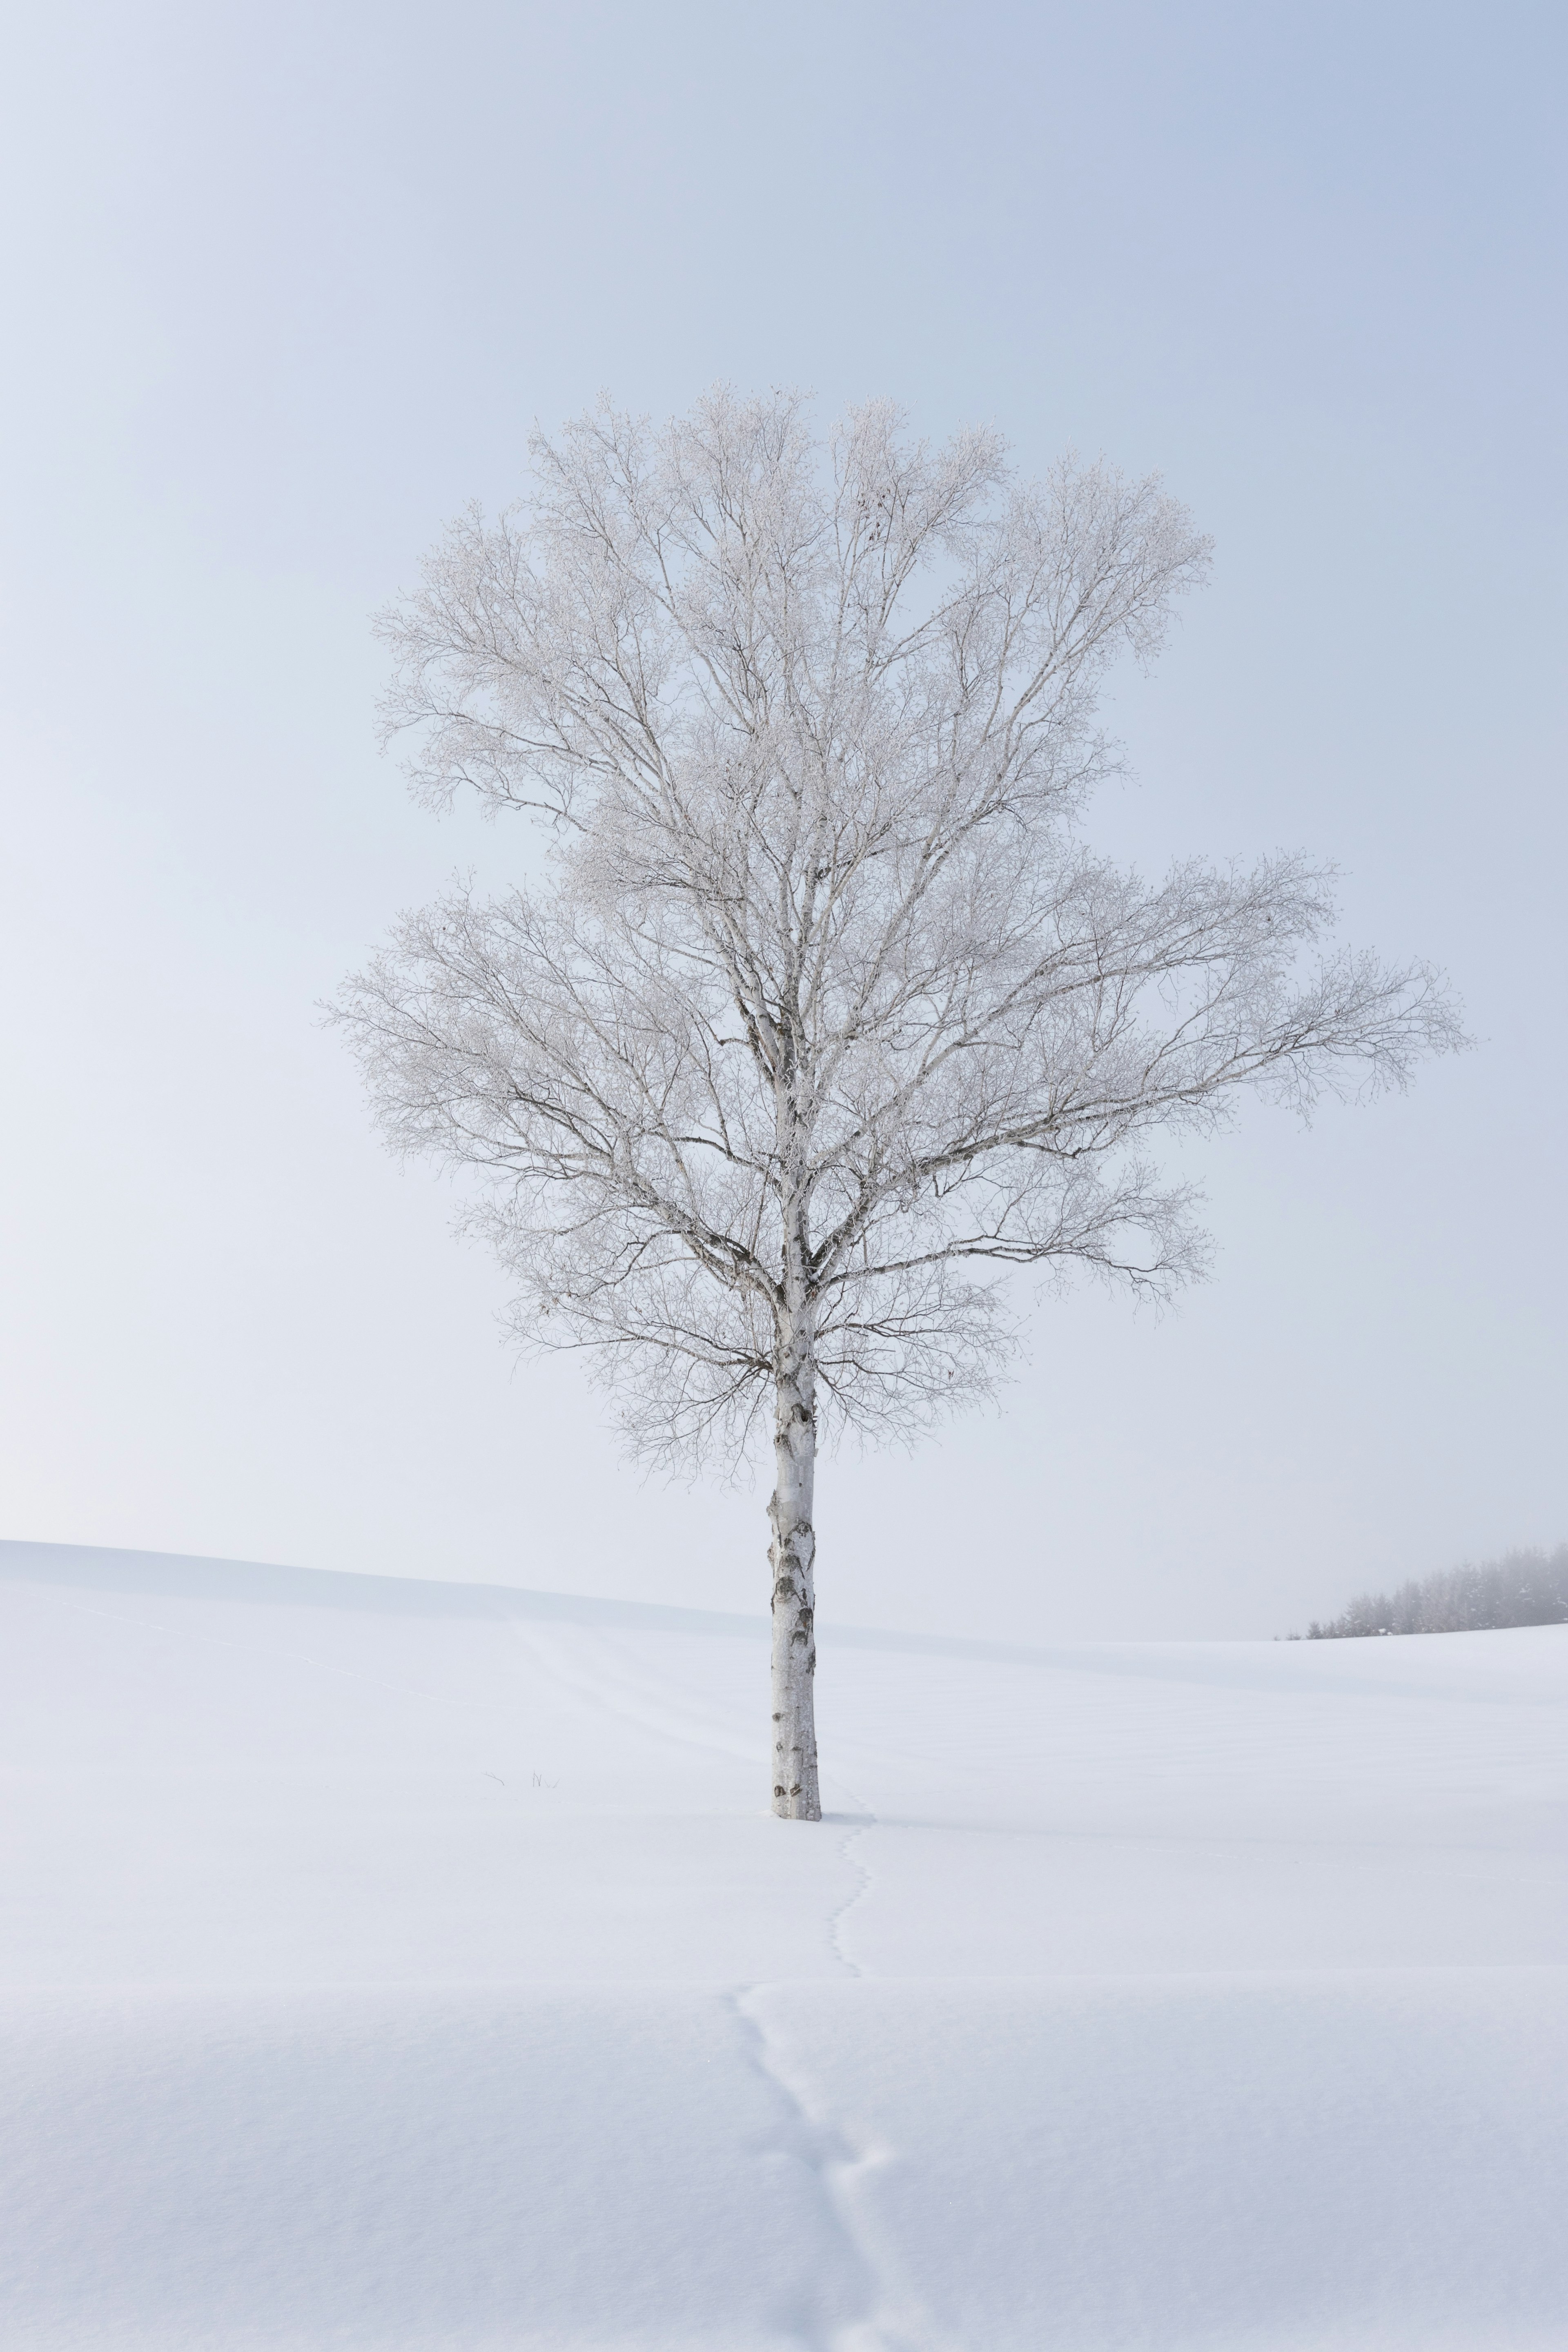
793,1553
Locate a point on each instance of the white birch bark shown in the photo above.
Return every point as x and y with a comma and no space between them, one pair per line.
796,1793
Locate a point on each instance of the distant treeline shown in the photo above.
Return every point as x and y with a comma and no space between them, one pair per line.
1525,1588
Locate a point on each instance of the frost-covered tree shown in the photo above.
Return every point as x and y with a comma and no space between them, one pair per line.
1524,1587
826,1016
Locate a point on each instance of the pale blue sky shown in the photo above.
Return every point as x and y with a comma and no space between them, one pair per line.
286,286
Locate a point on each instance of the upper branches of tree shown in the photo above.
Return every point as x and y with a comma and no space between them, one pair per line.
828,1015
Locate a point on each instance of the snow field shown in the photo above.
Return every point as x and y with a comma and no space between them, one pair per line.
416,1966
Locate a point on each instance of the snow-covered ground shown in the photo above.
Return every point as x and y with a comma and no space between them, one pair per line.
409,1966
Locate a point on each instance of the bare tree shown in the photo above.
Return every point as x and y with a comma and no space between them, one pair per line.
826,1016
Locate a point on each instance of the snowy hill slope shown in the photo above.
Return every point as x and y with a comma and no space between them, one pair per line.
414,1966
